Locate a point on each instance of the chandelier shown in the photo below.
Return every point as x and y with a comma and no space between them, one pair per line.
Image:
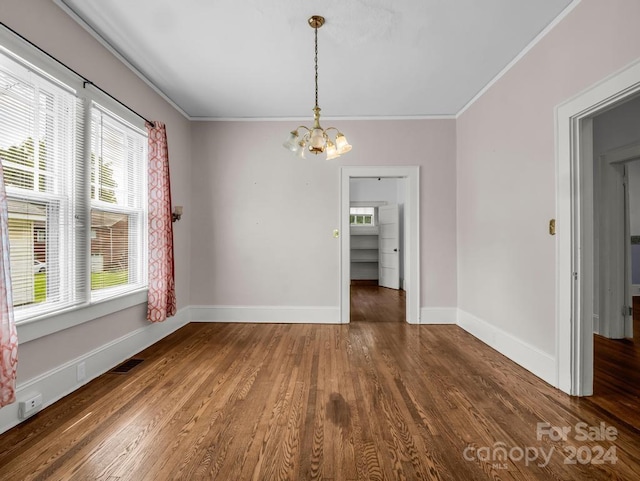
316,139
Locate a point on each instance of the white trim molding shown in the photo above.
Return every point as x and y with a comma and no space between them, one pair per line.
31,329
325,119
266,314
62,380
438,315
113,51
574,226
411,246
529,357
568,9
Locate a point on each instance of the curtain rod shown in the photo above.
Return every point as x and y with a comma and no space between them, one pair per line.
85,80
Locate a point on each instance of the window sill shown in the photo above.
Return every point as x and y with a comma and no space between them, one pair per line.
31,329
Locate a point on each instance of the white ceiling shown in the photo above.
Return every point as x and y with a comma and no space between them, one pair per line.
377,58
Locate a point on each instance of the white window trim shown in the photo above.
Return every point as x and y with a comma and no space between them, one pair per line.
50,323
37,327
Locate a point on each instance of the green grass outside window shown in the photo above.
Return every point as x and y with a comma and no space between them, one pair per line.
99,280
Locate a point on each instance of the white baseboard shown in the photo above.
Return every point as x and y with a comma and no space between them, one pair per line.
438,315
266,314
62,380
531,358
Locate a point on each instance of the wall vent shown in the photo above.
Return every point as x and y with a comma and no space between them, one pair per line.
126,366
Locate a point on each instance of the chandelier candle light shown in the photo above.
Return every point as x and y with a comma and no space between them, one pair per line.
316,139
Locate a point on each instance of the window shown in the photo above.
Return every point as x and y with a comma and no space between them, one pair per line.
117,213
362,216
77,203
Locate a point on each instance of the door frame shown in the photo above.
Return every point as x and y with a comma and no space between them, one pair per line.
411,174
574,214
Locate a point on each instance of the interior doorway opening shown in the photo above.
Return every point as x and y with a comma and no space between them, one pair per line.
576,272
616,200
379,247
376,217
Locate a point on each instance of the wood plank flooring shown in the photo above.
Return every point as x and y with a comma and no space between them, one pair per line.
364,401
372,303
616,384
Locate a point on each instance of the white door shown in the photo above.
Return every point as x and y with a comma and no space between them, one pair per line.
612,251
628,286
388,246
615,315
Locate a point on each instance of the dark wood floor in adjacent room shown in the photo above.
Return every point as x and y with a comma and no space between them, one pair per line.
616,383
365,401
372,303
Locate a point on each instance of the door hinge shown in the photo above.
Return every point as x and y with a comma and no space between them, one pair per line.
627,311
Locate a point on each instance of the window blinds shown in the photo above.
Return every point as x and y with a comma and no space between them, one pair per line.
118,151
37,149
77,203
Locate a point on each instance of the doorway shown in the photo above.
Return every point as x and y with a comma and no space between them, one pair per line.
616,380
376,216
616,225
616,147
576,230
408,244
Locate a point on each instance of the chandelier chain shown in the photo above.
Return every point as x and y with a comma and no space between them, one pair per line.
316,63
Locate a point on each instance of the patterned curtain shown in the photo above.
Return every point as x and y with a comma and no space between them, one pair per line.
8,332
162,290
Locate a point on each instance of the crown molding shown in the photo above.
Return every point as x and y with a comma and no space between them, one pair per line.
69,11
568,9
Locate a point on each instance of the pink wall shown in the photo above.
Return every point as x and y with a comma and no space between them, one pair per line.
506,169
265,218
46,25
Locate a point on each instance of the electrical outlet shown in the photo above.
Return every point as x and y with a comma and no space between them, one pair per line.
29,406
81,372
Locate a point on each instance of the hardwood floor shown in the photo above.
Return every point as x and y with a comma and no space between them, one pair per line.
365,401
616,386
372,303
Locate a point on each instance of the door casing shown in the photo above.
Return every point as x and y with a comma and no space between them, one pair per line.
574,226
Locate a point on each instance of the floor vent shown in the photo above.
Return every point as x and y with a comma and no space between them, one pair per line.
126,366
